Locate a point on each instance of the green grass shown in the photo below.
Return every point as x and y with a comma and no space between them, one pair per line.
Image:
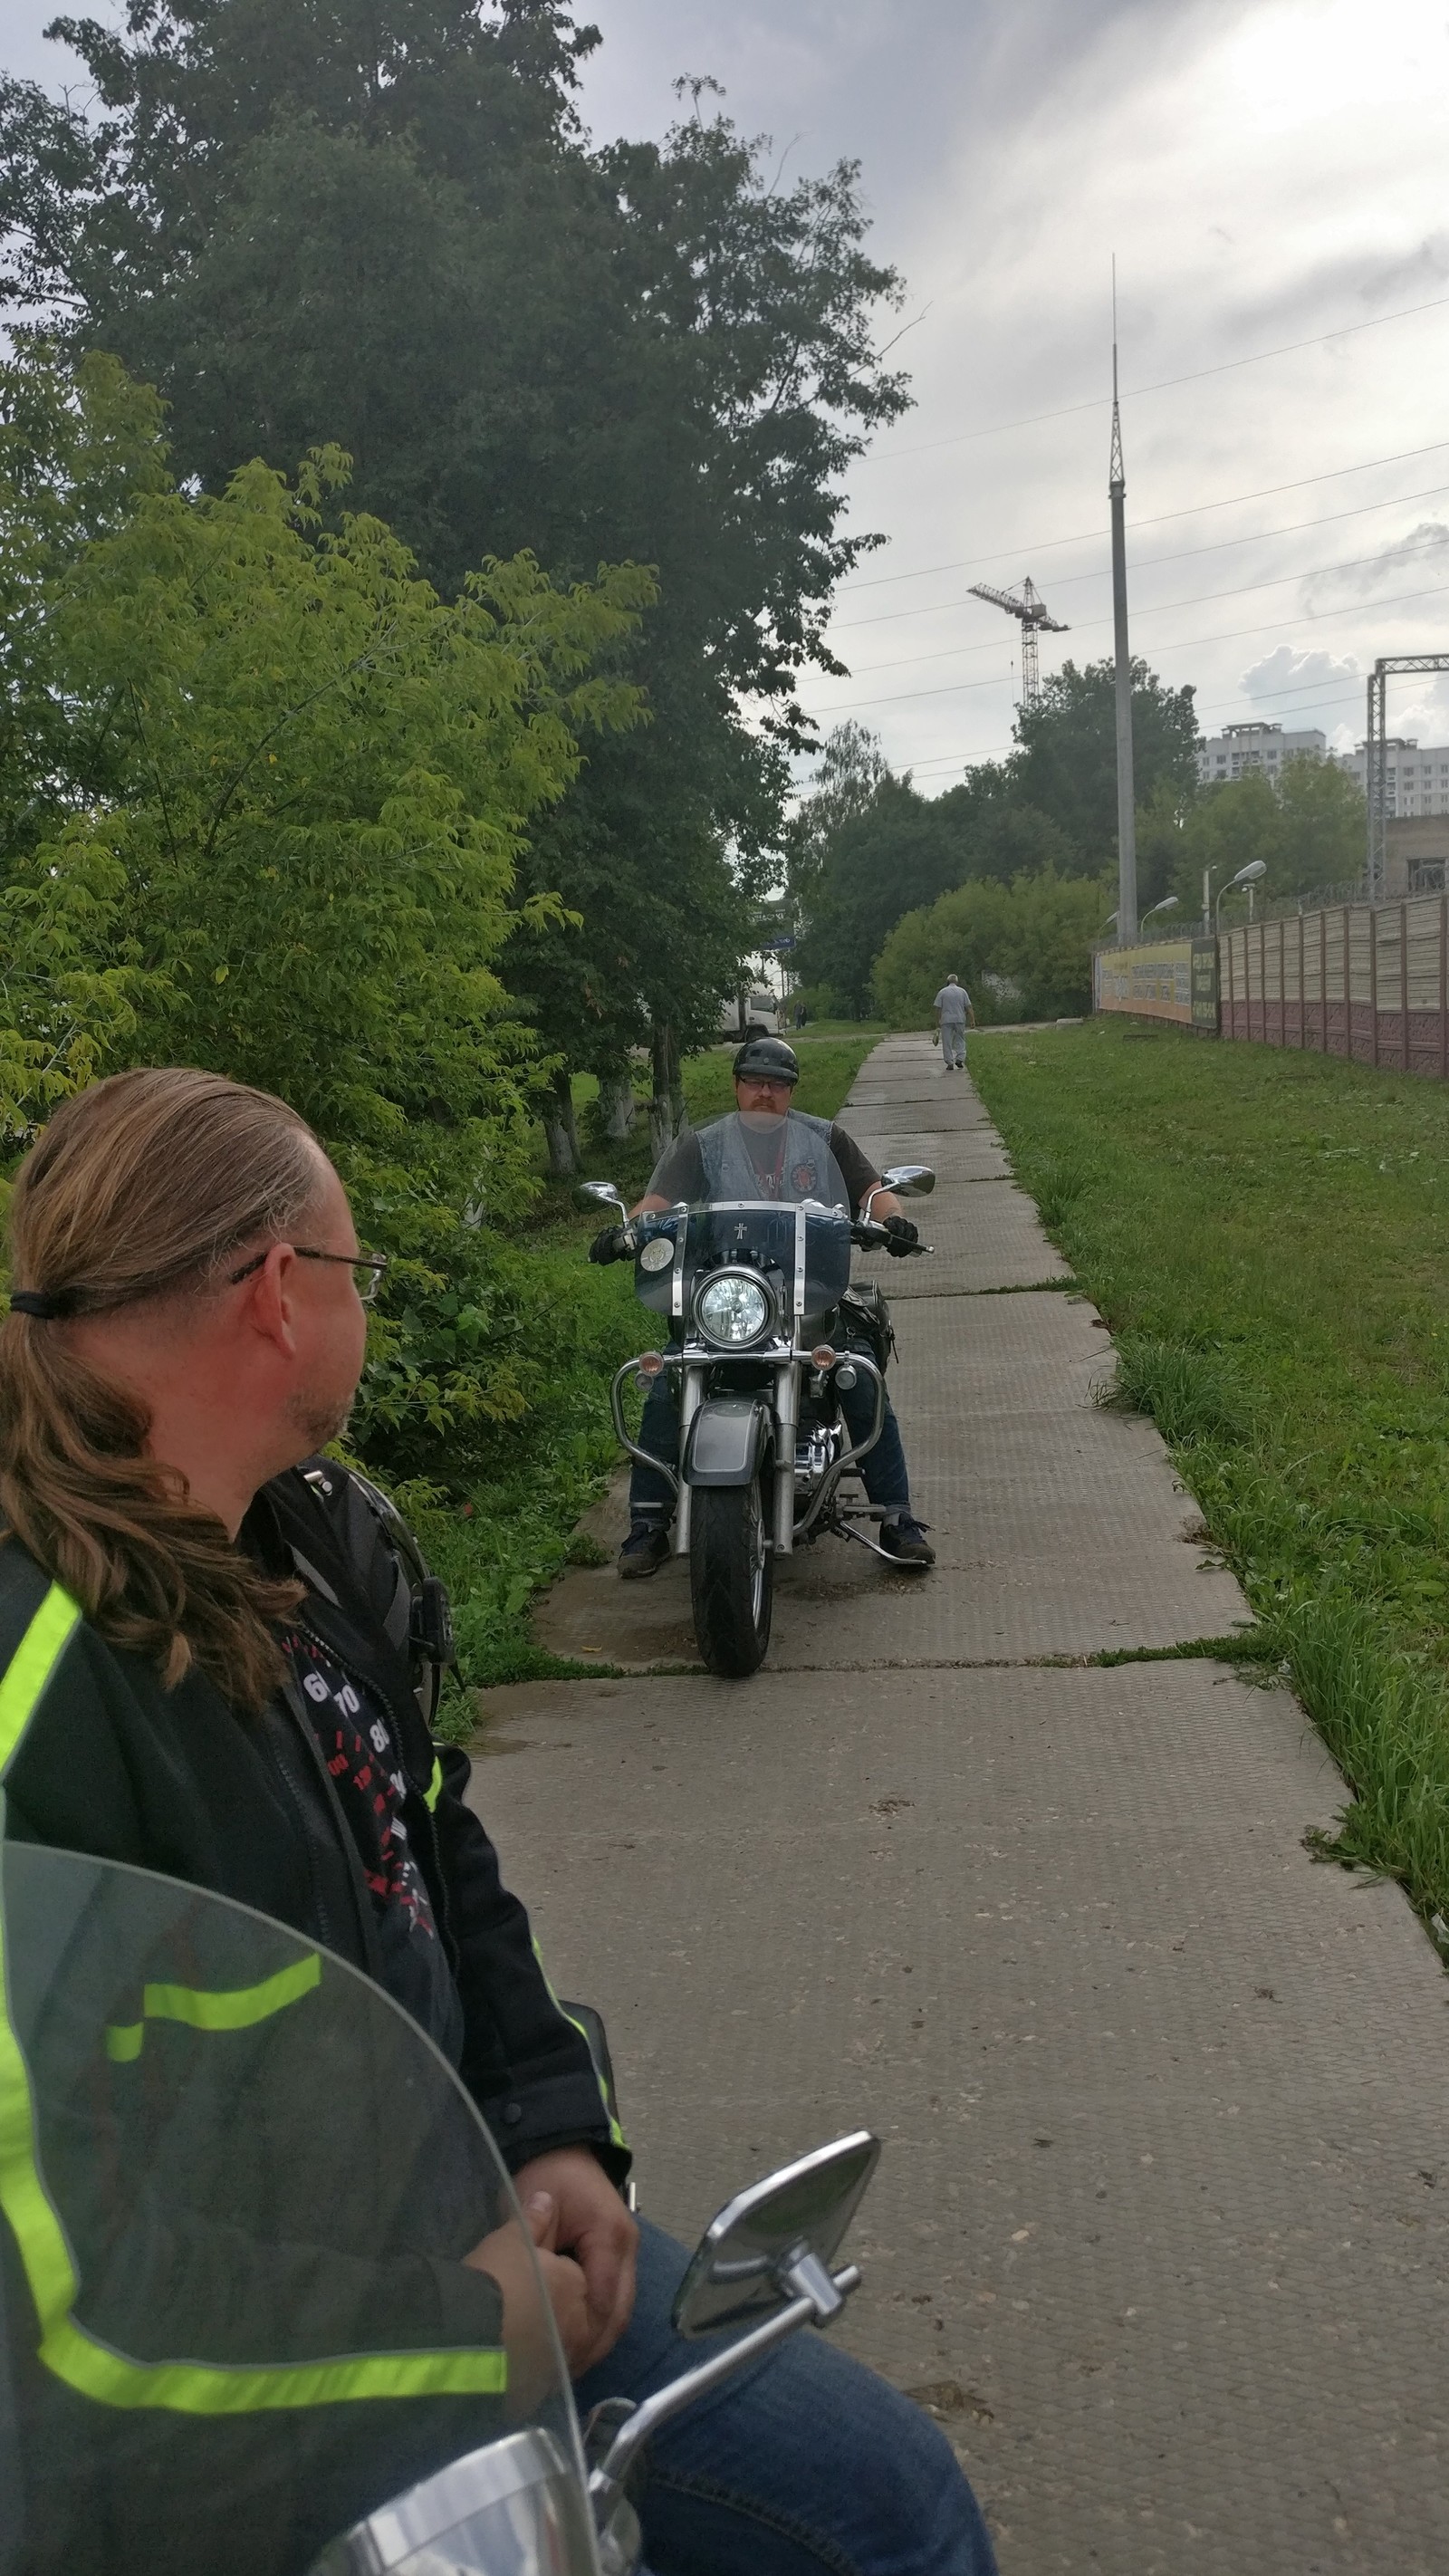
516,1532
1267,1234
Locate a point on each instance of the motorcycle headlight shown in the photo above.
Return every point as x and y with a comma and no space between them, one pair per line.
733,1310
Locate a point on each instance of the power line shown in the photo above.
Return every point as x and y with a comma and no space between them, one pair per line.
1197,510
1145,563
1187,644
1164,384
1164,607
1218,706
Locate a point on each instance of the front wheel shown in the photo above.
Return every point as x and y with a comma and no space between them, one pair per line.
731,1577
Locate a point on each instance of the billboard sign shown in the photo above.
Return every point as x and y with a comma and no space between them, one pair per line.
1172,979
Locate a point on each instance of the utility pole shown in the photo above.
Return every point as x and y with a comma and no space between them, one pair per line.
1126,806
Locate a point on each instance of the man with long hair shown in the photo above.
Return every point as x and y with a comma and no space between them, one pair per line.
200,1675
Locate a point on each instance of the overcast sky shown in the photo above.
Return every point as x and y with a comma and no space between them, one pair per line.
1267,171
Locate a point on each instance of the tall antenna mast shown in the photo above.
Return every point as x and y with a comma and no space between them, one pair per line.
1126,801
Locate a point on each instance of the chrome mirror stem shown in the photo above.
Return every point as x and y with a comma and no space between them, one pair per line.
818,2301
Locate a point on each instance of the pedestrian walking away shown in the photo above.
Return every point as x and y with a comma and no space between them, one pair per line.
953,1008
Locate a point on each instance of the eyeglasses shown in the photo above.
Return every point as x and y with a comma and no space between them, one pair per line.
366,1267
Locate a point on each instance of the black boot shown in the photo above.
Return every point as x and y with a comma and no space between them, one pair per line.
644,1550
905,1539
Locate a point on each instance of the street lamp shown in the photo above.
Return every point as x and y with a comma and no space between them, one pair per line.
1248,876
1168,904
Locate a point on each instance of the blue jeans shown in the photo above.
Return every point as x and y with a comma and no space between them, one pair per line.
882,1470
807,2461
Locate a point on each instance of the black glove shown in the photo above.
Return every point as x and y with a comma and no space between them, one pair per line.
608,1246
903,1236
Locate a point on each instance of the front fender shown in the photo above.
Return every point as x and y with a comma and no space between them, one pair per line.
728,1438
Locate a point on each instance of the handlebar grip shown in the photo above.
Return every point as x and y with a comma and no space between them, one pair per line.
875,1238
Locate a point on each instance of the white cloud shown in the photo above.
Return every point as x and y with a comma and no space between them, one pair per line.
1265,173
1287,668
1261,184
1424,717
1406,565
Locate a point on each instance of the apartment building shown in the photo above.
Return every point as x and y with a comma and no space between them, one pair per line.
1266,747
1418,774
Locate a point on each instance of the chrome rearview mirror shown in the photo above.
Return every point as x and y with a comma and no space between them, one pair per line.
599,1194
748,2261
909,1180
763,2262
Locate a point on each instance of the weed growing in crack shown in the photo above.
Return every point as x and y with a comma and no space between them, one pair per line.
1192,1396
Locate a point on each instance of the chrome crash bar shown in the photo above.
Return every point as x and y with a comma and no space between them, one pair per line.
848,1457
646,1457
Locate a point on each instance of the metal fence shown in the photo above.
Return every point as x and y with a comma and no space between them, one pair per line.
1356,979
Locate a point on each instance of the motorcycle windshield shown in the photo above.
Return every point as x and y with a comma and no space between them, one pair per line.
766,1192
803,1252
239,2186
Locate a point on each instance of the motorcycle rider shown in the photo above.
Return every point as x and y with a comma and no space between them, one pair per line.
200,1675
694,1168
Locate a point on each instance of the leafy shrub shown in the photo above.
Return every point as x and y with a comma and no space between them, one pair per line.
1031,940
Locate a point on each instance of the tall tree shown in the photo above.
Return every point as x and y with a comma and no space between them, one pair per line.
885,857
278,833
851,768
1307,826
77,451
378,222
1066,763
316,779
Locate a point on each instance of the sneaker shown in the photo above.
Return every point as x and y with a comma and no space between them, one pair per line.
644,1550
905,1539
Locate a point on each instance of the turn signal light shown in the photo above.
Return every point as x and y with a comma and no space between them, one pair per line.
823,1356
651,1363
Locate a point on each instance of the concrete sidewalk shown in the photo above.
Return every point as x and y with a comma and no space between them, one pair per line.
1159,2233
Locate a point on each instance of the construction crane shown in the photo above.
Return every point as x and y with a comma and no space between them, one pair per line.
1027,606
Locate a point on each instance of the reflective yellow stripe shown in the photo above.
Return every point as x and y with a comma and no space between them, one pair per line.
434,1788
198,2388
214,2008
30,1667
233,2008
616,2134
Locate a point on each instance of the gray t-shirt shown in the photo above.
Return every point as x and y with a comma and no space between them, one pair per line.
953,1002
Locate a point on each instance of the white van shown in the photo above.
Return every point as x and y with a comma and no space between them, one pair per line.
754,1013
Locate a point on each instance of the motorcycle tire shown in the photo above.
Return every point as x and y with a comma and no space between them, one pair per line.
731,1577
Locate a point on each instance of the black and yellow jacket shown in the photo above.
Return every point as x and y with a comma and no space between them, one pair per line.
97,1756
139,2264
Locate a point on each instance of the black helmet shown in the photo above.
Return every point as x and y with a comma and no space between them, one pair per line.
768,1059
